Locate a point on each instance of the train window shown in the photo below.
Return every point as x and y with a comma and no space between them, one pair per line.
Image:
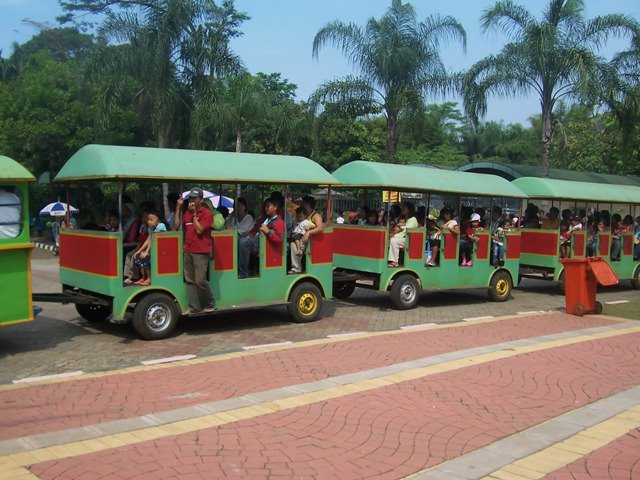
10,212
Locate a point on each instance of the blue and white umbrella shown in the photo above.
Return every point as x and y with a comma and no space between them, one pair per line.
58,209
217,200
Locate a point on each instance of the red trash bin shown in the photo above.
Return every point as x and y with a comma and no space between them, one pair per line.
581,278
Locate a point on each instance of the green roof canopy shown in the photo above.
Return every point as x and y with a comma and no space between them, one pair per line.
12,170
412,178
108,162
584,191
511,172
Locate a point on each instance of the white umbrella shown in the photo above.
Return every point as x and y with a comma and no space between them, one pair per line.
58,209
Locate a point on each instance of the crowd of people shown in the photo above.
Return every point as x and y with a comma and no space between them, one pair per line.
197,217
469,222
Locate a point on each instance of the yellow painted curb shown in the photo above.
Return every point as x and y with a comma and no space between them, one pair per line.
563,453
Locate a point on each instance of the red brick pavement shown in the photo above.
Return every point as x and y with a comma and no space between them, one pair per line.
63,405
386,432
619,460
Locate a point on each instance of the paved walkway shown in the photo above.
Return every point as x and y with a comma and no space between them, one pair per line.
532,396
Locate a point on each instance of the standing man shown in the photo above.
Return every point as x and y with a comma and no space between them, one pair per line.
196,224
309,205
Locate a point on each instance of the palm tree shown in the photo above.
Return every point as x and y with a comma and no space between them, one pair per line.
620,92
170,48
238,102
553,56
398,61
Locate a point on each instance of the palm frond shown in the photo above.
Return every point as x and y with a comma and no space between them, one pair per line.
507,16
355,95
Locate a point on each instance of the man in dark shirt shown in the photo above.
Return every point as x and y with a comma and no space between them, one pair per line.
196,224
271,225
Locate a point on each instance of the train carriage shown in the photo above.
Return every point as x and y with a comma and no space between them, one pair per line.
362,251
540,256
91,262
16,303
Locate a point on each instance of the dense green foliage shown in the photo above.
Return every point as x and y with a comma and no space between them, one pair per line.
65,88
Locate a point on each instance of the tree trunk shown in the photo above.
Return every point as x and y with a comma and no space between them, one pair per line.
392,136
545,141
238,150
162,143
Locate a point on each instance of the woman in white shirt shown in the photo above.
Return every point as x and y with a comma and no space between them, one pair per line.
398,240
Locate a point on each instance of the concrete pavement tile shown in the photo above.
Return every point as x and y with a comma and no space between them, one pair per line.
228,404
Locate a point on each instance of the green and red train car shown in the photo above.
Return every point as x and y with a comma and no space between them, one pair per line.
336,261
16,304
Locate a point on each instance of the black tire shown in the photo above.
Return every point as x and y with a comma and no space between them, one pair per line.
500,287
598,308
578,309
93,313
405,292
343,290
305,303
561,286
155,316
635,282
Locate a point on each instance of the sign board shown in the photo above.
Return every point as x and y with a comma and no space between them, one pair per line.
389,196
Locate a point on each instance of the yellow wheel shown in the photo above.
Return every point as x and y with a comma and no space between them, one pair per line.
308,303
500,287
305,303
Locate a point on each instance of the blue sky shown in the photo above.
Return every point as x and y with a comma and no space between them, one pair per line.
279,35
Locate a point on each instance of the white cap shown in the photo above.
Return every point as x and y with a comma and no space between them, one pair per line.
475,217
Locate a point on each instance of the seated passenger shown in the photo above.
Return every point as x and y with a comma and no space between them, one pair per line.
592,238
434,234
398,240
565,240
240,219
218,218
497,240
172,201
636,239
447,223
112,221
552,220
141,256
271,226
361,216
468,240
372,219
302,226
531,218
617,232
130,224
309,206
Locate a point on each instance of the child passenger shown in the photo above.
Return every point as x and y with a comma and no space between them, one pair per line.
434,240
498,242
302,227
141,256
565,240
470,237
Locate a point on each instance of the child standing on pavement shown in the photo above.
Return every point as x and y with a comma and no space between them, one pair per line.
141,257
